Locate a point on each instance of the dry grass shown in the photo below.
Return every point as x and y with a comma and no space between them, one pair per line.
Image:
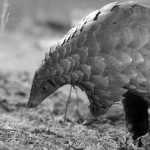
4,18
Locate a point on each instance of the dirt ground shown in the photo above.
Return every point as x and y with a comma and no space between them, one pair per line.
26,39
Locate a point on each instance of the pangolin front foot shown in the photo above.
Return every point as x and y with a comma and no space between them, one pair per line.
136,115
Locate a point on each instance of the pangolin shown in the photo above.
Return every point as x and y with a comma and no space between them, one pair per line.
107,55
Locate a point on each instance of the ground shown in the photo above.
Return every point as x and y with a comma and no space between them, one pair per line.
21,50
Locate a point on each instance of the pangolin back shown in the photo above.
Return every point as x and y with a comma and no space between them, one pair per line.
106,54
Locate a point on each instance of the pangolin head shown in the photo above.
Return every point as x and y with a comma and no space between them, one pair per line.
43,85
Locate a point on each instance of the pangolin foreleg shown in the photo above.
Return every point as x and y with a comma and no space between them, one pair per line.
136,114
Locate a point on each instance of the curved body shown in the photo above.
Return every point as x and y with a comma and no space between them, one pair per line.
106,55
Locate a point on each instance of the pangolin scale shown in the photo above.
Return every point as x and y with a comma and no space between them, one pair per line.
107,55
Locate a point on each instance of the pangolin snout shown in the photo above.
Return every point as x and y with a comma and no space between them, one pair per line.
31,105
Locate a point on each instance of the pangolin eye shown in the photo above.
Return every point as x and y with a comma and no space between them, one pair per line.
44,88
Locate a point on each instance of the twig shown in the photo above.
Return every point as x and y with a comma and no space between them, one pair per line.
67,104
77,97
8,130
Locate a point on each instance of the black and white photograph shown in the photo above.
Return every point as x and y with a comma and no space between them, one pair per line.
74,75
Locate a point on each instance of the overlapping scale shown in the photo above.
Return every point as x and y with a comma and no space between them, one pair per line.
76,57
62,52
97,65
92,43
73,77
107,54
83,53
141,37
54,56
86,69
125,36
73,44
88,86
65,64
68,49
108,41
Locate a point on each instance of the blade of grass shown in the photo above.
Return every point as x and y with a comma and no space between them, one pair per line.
67,104
77,97
4,18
